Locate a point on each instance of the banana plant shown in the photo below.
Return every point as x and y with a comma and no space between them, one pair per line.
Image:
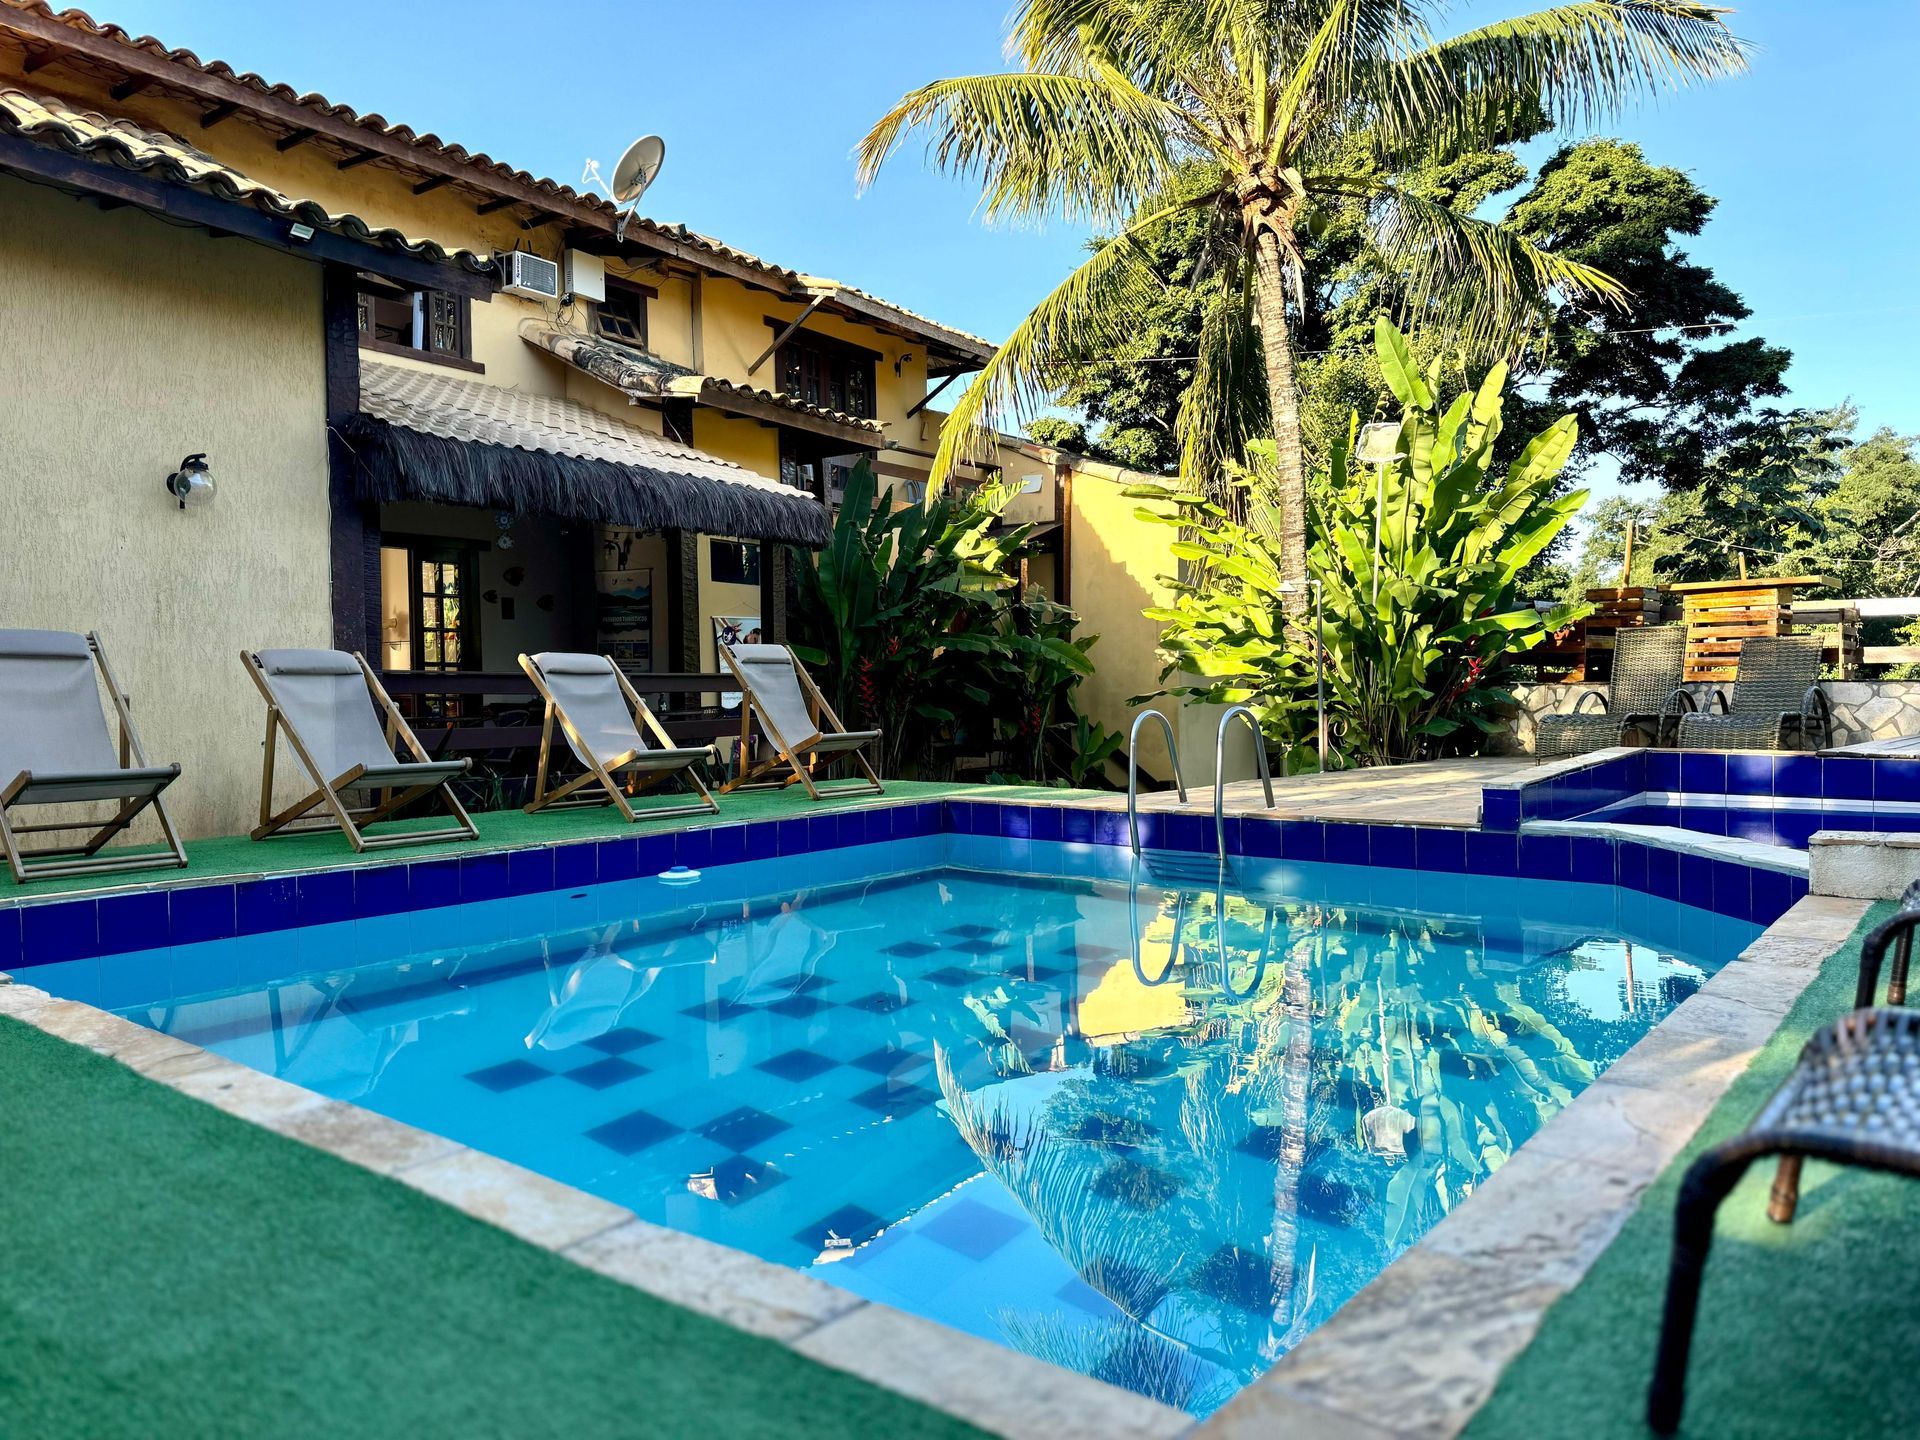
1418,561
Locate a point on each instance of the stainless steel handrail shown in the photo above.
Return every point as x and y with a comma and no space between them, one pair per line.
1219,764
1133,770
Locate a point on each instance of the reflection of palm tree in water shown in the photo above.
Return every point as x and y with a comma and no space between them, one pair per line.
1283,1245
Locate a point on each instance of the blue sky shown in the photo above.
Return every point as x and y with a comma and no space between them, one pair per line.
762,101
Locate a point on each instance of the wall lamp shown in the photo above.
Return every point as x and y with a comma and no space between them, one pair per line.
191,484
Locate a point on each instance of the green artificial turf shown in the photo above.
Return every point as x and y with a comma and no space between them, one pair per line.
1808,1329
237,855
169,1270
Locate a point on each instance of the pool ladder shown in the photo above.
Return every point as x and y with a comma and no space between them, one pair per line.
1219,765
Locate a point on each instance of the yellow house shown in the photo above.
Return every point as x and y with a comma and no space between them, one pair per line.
453,411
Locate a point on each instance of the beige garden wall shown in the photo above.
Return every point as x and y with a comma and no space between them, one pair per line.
128,343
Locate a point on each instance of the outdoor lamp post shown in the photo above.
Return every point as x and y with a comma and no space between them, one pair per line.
1379,442
1292,587
191,484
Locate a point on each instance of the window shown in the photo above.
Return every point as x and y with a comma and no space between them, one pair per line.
734,562
422,323
827,373
427,620
622,315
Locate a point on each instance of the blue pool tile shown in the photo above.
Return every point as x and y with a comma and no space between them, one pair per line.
1772,895
606,1072
729,844
823,832
430,884
631,1134
1391,845
1046,822
1493,852
1500,809
1109,827
1546,857
762,841
740,1130
969,1228
1796,775
1591,859
619,859
1016,822
1663,872
263,905
1152,829
1703,773
1631,866
508,1075
1076,826
622,1041
323,897
1239,1276
200,912
1304,840
959,817
1661,769
10,933
1346,844
852,828
529,872
1846,777
1441,850
845,1229
1696,881
894,1098
653,854
1749,774
63,930
383,890
126,922
482,877
1896,780
798,1065
574,866
737,1179
1263,838
1191,833
792,837
1732,890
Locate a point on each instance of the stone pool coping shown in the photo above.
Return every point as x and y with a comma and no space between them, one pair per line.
1419,1350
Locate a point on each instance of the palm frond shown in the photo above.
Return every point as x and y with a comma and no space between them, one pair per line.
1485,281
1083,146
1226,405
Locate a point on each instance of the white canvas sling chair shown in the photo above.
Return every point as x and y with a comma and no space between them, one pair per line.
800,725
599,714
330,704
55,749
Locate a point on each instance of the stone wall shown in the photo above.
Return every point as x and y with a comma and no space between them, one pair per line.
1862,709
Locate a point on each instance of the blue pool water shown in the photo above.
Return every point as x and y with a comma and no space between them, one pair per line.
1770,820
1153,1122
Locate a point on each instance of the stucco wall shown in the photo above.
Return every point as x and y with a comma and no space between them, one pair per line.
129,343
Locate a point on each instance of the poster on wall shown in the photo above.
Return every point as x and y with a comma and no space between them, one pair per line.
729,631
626,617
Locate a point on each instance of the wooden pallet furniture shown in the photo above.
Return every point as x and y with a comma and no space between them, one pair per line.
1721,615
1584,650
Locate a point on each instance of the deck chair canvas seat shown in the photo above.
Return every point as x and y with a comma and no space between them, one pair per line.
598,713
56,749
800,726
330,705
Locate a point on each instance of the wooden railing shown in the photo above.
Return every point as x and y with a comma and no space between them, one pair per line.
457,712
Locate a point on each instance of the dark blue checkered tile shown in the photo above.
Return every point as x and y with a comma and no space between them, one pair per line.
842,1230
804,985
882,1002
797,1065
971,932
800,1007
510,1076
891,1098
607,1073
631,1134
714,1011
971,1229
893,1060
910,949
1043,974
1242,1278
986,945
1137,1186
951,975
744,1128
1106,1127
736,1180
622,1041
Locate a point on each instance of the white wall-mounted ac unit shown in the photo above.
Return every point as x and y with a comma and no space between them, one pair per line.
522,273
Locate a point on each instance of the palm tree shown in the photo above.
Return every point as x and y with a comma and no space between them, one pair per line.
1127,112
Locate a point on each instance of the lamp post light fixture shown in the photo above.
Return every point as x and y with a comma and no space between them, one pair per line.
1379,442
1293,587
191,484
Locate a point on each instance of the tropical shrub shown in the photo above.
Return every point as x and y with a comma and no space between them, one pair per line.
917,629
1417,561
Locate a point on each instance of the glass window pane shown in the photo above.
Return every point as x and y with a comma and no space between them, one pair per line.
450,647
427,573
430,647
429,613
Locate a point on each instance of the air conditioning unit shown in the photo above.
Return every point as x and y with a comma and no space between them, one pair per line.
585,276
522,273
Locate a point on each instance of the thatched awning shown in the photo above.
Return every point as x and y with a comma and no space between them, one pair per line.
426,435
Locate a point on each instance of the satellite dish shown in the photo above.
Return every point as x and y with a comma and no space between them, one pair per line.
634,174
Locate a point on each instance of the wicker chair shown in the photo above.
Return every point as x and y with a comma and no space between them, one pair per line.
1645,690
1777,701
1853,1099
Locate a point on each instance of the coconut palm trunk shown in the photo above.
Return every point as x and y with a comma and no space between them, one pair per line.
1283,398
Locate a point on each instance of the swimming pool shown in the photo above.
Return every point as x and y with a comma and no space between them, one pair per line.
1787,821
1152,1121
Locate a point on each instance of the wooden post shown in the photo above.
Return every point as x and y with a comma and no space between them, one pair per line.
353,529
773,592
683,602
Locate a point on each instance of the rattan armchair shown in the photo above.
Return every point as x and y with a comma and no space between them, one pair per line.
1644,691
1777,701
1853,1099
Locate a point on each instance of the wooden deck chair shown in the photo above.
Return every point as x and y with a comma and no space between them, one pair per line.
55,749
330,704
800,725
599,714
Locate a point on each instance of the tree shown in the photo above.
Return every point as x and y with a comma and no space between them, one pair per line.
1261,101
